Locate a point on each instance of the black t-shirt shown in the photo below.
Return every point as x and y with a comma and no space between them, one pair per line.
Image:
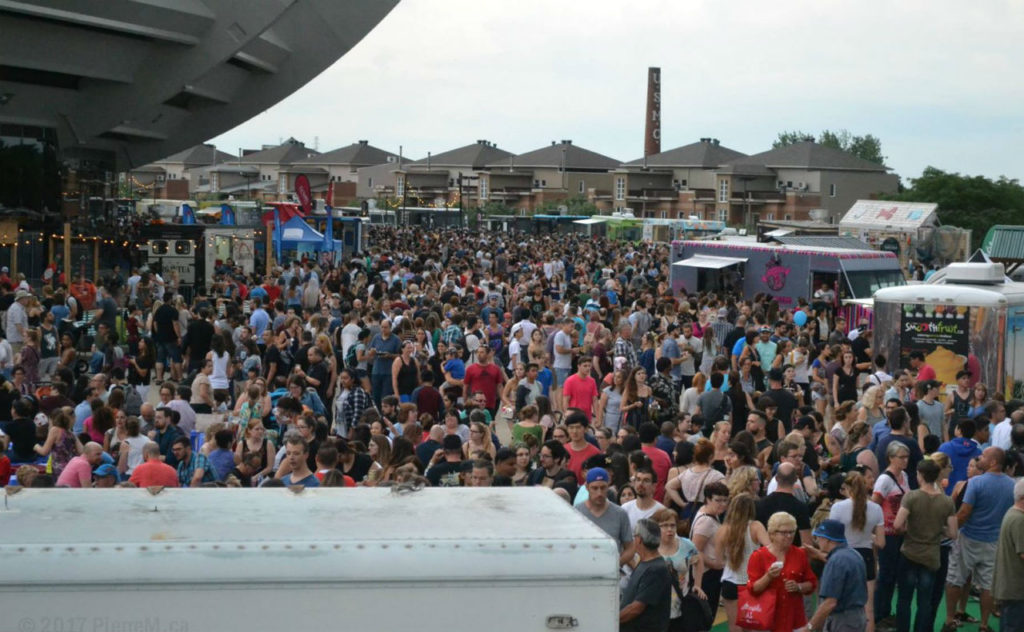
163,321
860,352
650,584
787,403
445,474
134,377
22,433
283,360
320,371
199,334
782,501
360,467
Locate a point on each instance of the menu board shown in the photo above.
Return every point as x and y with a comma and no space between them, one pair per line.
941,333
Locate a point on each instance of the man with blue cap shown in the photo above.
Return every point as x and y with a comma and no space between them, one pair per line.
611,518
843,590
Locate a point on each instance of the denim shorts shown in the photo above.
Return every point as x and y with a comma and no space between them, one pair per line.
561,375
165,350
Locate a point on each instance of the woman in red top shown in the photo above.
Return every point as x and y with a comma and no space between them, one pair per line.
791,579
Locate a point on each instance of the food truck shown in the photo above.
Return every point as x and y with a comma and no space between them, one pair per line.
195,560
973,318
787,273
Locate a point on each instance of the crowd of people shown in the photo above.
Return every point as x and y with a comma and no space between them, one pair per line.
761,449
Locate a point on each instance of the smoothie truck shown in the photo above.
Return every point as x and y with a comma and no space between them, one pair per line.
972,319
787,273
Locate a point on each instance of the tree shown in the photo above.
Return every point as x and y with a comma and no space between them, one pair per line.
973,202
575,205
867,147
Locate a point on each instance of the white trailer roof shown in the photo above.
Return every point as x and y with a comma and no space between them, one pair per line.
365,534
999,295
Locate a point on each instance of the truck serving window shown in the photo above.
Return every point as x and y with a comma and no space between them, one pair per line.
864,283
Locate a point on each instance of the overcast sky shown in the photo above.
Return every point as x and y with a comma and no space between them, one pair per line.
937,81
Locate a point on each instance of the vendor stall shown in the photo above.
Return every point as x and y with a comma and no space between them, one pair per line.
973,320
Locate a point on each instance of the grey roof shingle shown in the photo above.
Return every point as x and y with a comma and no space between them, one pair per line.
475,156
702,154
286,153
196,155
812,156
553,155
360,154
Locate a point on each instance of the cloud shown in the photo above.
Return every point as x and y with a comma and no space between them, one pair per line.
936,81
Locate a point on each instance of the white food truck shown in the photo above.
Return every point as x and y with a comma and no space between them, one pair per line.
268,560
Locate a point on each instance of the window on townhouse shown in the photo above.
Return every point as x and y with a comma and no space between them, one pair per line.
723,190
484,188
400,186
582,187
723,215
768,217
369,182
831,190
620,188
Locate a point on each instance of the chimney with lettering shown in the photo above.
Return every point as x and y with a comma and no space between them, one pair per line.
652,132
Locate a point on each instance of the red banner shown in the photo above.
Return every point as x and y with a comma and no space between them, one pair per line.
303,192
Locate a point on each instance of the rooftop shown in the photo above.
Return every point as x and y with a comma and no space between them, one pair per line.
707,153
560,155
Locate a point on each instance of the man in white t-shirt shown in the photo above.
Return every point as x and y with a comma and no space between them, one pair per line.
644,505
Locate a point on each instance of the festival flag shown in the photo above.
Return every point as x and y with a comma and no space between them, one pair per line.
227,215
277,235
329,230
188,216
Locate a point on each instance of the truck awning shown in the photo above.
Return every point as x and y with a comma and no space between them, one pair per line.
710,261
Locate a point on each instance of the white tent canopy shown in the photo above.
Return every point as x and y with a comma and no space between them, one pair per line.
710,261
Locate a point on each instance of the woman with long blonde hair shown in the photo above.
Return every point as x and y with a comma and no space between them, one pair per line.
736,540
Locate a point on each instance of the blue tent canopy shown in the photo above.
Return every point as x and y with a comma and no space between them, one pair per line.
296,234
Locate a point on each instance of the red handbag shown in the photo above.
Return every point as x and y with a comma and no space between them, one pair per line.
755,612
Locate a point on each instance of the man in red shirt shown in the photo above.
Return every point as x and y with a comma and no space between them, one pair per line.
153,472
660,462
580,390
485,377
579,448
924,371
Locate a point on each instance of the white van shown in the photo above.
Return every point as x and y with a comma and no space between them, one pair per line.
269,560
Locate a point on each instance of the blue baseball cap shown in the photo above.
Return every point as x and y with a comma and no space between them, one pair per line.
831,530
105,470
597,474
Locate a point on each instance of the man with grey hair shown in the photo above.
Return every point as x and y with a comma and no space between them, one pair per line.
646,600
1008,582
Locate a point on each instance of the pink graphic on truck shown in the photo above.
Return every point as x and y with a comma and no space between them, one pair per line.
775,275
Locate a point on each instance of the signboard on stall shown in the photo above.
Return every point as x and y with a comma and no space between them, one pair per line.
941,333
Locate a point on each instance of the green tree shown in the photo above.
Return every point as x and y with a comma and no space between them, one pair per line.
496,208
867,147
973,202
575,205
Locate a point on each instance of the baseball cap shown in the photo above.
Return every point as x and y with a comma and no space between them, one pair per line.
723,312
765,329
831,530
597,474
105,470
